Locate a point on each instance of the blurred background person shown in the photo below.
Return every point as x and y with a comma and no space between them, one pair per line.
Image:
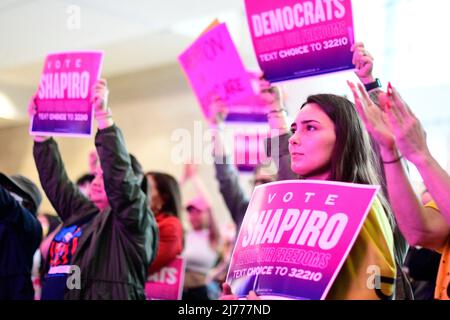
165,201
20,235
202,245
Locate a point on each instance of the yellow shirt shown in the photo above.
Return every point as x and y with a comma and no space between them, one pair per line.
442,291
369,272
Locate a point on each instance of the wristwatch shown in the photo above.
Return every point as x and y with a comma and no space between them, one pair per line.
373,85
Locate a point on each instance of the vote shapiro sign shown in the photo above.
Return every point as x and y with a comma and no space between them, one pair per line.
64,96
296,236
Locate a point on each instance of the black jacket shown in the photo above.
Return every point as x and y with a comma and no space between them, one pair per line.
20,235
119,243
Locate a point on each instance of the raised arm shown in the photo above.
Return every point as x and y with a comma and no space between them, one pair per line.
226,174
64,195
363,61
410,140
123,188
420,225
277,144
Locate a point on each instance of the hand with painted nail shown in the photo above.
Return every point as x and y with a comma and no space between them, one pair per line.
409,134
363,62
373,117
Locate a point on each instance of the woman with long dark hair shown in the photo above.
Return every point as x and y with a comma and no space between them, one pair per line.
164,192
329,142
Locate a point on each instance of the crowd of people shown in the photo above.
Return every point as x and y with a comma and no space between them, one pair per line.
119,224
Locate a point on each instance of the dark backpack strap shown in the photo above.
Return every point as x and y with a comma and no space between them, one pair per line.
380,293
403,289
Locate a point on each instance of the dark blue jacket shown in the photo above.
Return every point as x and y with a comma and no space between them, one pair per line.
20,236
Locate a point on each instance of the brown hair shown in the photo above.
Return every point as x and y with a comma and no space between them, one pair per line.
169,190
353,159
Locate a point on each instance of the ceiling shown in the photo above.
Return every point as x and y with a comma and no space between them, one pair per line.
134,35
144,34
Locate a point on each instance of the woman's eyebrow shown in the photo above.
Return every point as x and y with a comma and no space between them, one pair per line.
309,121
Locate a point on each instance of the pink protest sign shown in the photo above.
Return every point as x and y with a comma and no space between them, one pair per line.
167,283
301,38
64,94
296,236
214,68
